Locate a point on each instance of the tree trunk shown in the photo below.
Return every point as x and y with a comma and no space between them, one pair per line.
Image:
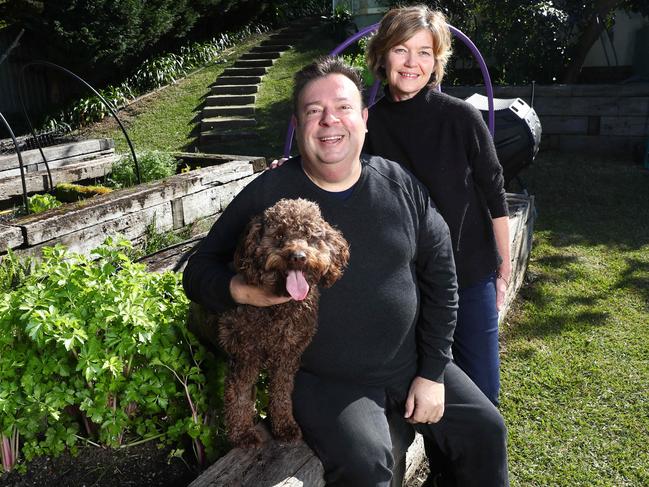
588,37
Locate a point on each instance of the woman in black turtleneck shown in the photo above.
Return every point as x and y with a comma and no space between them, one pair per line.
446,144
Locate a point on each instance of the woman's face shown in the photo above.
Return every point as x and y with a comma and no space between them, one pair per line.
409,65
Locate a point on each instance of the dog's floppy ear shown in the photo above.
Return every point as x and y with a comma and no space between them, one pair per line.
244,255
339,255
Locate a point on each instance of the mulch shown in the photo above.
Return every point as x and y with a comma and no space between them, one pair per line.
145,465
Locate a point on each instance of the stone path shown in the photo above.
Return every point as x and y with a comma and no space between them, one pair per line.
229,112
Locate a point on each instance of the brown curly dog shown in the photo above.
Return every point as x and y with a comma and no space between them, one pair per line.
288,250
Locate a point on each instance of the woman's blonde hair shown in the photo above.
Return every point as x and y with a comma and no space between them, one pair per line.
399,25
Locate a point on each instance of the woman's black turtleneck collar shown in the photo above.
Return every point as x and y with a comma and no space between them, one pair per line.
423,96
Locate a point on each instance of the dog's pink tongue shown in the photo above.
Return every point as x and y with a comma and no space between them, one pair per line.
296,285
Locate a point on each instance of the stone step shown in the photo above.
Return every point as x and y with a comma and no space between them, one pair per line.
226,123
254,63
220,111
301,26
234,89
245,71
210,137
308,21
277,44
270,48
286,38
237,80
229,100
260,55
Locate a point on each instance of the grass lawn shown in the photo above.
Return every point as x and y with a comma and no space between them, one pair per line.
575,360
169,120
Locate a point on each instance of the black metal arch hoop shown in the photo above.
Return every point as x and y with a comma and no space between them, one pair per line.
20,161
78,78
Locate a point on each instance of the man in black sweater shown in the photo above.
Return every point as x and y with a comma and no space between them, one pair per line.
379,366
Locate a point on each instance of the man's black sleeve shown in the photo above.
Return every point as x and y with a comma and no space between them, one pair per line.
438,294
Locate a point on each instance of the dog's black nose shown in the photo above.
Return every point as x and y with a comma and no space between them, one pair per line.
298,257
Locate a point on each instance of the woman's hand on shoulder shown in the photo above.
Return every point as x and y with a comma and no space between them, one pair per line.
277,162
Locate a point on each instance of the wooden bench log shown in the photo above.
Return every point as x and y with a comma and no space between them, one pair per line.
276,465
280,465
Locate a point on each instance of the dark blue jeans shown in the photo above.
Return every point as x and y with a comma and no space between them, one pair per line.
475,343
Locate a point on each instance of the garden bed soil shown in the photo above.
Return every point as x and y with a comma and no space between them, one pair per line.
145,465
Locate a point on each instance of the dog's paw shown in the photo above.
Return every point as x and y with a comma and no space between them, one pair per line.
248,439
287,433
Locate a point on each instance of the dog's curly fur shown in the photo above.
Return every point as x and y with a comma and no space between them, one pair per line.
291,235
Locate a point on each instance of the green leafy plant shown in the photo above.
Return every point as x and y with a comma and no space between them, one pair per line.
13,270
97,350
340,22
42,202
153,165
357,59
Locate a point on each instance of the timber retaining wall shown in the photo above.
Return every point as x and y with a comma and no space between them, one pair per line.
170,204
592,119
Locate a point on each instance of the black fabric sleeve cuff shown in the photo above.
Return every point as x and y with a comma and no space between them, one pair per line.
433,369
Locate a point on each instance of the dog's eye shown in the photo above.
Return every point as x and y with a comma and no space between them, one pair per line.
279,237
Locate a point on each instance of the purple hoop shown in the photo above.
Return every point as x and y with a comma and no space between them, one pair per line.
375,87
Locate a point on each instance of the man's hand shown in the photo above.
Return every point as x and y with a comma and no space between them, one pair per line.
425,403
243,293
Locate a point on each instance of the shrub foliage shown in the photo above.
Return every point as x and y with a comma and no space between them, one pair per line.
39,203
153,165
98,350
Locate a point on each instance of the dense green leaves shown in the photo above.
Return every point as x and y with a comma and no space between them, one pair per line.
99,349
153,165
39,203
96,33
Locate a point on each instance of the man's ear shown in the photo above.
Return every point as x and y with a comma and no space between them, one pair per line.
365,113
294,121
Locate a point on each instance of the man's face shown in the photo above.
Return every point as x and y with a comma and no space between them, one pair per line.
330,121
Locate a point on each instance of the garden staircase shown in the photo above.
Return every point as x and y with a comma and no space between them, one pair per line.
229,112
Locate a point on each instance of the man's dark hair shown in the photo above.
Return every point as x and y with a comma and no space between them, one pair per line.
321,67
